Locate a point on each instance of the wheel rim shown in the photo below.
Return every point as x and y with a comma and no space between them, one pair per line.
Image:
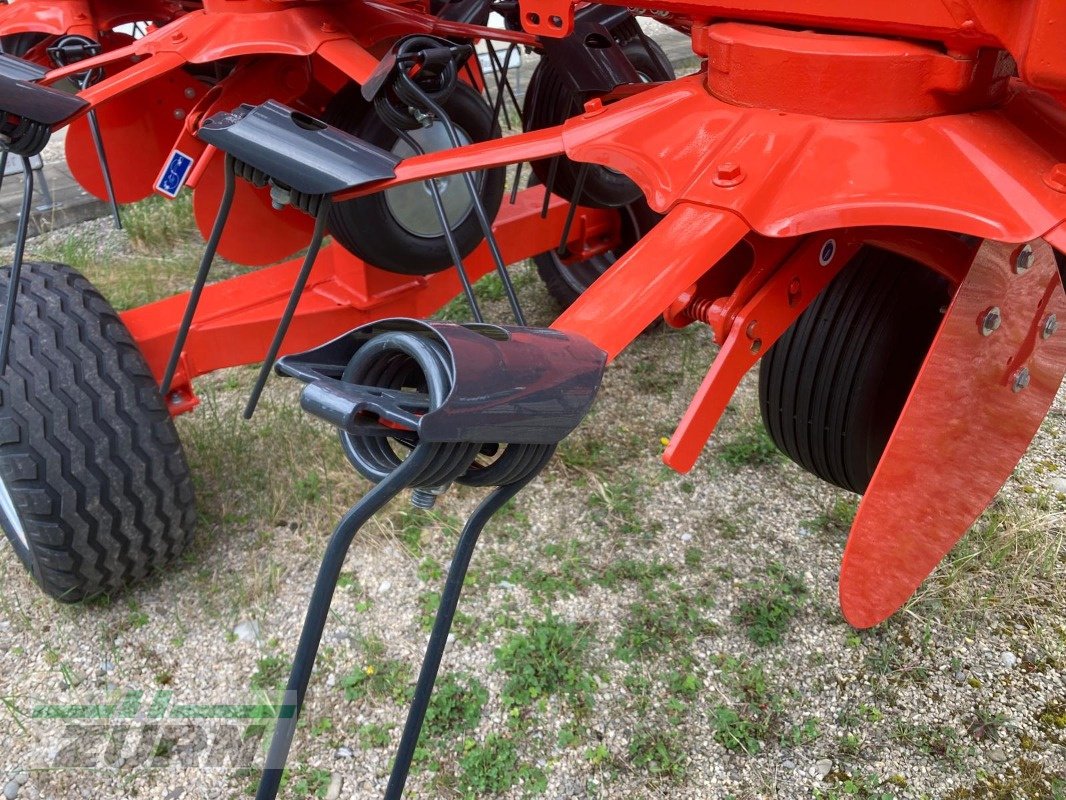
9,516
412,205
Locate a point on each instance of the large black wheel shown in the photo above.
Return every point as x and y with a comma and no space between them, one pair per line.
566,281
551,101
832,387
94,488
398,229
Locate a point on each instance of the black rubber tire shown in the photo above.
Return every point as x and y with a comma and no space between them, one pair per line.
366,227
566,282
832,387
550,101
89,455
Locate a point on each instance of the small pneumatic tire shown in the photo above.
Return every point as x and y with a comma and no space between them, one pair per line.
833,386
95,492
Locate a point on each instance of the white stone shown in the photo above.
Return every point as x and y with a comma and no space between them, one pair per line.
247,631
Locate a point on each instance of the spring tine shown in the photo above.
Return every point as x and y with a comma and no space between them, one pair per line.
318,610
517,181
446,229
499,74
3,166
224,206
553,170
579,188
473,79
98,143
441,626
479,208
290,308
504,68
16,261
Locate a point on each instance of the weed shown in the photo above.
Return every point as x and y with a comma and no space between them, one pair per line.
547,658
270,673
373,734
771,605
379,676
493,767
157,223
854,787
660,750
753,716
302,782
658,624
750,447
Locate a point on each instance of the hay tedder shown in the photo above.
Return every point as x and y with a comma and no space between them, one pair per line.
866,200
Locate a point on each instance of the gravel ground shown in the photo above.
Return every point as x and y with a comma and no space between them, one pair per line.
676,636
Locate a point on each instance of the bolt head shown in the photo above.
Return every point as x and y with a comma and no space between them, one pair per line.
1051,324
991,321
1023,259
1056,178
1021,380
727,174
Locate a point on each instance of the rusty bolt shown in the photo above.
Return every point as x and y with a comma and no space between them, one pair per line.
991,321
1021,380
1023,259
1056,178
727,174
1051,324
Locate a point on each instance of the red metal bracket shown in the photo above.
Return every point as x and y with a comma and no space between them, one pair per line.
979,399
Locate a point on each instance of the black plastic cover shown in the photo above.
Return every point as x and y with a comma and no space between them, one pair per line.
22,97
589,58
510,384
297,150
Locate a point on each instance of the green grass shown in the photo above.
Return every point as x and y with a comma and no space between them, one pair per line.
548,657
752,717
750,446
378,676
158,223
493,766
660,750
663,622
770,605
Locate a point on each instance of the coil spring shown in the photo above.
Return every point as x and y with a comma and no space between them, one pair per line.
308,203
437,82
399,361
25,137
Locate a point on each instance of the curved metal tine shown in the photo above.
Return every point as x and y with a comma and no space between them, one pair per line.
517,182
318,611
3,162
224,206
553,170
498,78
101,155
317,236
442,624
446,229
105,169
505,68
571,211
16,261
479,209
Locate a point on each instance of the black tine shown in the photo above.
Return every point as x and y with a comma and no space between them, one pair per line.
16,261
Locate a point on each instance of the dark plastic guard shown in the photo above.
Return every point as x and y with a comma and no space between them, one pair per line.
510,384
22,97
297,150
383,72
590,59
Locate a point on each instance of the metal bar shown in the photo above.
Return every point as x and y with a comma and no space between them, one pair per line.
224,206
16,261
318,611
317,236
517,181
442,624
553,170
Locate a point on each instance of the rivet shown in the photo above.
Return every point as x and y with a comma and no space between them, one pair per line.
190,93
1051,324
991,321
1021,380
1023,259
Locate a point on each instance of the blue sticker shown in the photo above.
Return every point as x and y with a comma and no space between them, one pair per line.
173,177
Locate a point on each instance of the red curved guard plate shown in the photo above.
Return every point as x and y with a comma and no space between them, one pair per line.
961,432
255,234
139,129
